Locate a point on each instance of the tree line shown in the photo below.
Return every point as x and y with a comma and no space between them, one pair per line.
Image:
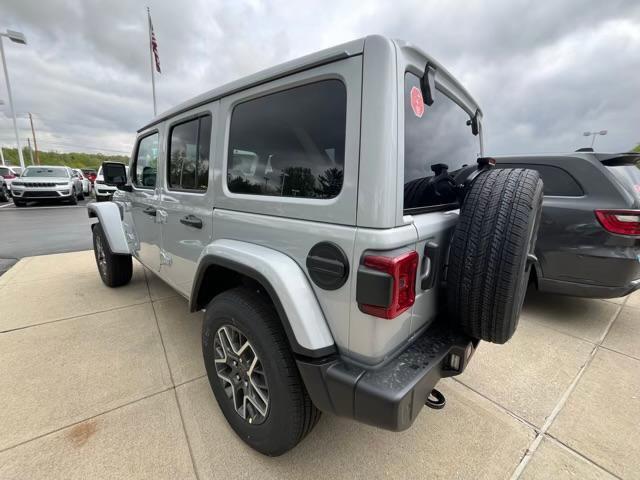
72,159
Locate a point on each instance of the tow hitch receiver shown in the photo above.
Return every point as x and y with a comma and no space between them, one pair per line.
436,400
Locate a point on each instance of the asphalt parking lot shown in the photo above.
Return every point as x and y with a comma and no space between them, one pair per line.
41,228
109,383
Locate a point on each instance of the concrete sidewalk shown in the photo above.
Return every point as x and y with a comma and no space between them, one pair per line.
110,383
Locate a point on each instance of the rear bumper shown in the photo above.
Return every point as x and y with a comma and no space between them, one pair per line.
575,289
391,396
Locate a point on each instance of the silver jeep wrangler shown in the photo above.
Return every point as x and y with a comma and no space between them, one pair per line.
335,218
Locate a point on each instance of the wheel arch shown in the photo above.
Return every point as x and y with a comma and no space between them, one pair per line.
109,216
225,264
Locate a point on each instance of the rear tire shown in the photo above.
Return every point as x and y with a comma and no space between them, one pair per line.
81,196
488,272
4,194
290,414
115,269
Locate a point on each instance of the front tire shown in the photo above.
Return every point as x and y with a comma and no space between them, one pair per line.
4,194
115,270
19,203
73,200
271,411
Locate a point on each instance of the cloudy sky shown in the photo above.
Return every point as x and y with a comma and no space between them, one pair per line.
543,72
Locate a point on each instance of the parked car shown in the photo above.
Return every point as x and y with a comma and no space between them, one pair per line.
10,173
317,238
90,174
589,241
86,184
47,183
102,191
4,190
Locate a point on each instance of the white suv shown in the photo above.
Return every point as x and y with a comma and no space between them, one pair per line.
336,220
46,183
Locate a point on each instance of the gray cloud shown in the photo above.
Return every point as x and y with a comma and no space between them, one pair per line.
542,72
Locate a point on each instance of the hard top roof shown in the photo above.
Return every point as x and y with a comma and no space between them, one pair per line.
355,47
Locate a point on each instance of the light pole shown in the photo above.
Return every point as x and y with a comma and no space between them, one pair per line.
594,134
16,37
1,154
284,177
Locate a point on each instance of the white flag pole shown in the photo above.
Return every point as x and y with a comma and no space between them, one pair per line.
153,78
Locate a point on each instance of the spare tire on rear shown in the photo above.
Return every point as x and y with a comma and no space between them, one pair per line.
488,271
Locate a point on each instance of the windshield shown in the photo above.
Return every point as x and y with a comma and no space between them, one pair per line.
45,172
437,143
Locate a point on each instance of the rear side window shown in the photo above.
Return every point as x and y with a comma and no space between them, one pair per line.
188,165
146,163
290,143
557,181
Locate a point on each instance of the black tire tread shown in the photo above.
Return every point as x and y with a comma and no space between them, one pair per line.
487,260
119,267
304,415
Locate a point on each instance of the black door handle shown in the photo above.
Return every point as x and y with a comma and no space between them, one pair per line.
150,211
191,221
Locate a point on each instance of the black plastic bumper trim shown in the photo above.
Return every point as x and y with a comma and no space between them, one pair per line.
392,396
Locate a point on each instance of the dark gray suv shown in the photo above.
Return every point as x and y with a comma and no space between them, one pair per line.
589,240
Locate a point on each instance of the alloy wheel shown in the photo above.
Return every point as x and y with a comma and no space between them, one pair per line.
102,258
241,373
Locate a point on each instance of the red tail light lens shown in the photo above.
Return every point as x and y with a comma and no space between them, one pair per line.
622,222
9,176
402,270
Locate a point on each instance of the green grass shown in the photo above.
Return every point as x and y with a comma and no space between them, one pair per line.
73,159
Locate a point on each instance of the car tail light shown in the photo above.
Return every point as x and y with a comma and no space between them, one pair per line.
402,271
9,176
622,222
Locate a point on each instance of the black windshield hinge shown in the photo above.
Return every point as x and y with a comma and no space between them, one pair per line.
428,84
473,123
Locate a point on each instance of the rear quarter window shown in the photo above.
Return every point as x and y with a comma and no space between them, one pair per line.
557,181
289,143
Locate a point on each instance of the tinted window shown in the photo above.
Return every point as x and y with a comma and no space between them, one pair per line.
189,155
146,165
439,136
557,181
290,143
5,171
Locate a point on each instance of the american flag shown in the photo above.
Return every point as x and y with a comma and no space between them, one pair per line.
154,45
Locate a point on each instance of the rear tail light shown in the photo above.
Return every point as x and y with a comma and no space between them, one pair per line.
402,271
622,222
9,176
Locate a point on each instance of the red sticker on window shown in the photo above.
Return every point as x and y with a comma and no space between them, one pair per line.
417,103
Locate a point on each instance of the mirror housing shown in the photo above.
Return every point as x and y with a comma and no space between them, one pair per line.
114,173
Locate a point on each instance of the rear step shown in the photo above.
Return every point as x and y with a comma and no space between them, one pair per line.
391,396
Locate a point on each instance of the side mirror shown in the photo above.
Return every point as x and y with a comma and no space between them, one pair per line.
115,174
